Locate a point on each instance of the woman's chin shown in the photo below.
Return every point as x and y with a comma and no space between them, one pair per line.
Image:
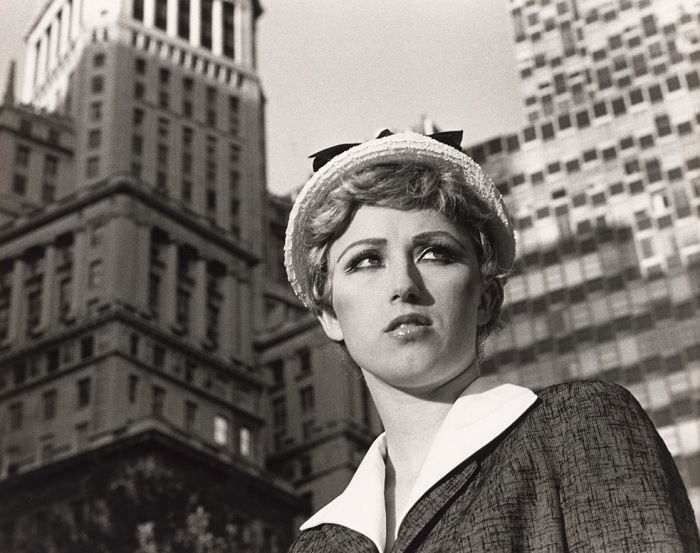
414,376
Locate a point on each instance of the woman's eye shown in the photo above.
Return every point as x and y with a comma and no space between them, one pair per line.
364,261
435,253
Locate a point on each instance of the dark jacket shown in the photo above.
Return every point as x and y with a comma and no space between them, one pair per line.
582,470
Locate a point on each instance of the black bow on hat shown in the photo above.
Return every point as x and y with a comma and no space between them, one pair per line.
450,138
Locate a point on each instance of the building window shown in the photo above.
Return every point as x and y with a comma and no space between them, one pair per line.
228,30
20,373
564,121
16,416
161,16
83,392
94,138
305,465
139,90
52,360
211,106
95,275
49,401
182,309
206,23
19,184
48,192
187,108
54,137
137,10
304,355
183,19
158,356
138,117
133,388
187,191
154,293
190,416
92,168
81,436
33,309
599,109
25,126
211,200
213,323
582,119
245,441
22,155
98,60
136,144
87,347
64,297
306,397
221,429
279,412
97,84
158,401
95,111
663,125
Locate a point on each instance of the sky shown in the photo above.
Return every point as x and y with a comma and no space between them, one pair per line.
337,71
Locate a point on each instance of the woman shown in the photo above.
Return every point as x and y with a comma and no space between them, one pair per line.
401,247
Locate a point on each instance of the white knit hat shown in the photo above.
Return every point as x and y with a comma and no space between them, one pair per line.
402,147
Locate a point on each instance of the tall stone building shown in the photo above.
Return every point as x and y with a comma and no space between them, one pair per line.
131,279
603,182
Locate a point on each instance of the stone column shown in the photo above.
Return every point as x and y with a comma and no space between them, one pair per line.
228,322
245,320
198,305
217,24
15,319
75,18
30,66
41,62
53,46
47,286
149,13
195,22
116,264
243,33
142,267
172,17
168,291
79,272
64,35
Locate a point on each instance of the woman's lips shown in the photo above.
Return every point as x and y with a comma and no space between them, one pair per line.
414,319
409,332
410,326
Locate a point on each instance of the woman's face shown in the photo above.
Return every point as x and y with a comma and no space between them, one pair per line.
407,296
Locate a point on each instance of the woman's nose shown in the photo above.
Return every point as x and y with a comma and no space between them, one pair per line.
405,283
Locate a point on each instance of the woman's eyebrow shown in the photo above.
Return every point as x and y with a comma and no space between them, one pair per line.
377,242
427,237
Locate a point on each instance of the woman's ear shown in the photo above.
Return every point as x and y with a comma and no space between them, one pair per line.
487,303
330,325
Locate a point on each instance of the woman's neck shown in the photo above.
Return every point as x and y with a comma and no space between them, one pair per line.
411,422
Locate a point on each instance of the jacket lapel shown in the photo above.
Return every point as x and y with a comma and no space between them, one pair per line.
419,520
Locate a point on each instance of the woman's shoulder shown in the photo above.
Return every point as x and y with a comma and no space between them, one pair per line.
593,392
588,404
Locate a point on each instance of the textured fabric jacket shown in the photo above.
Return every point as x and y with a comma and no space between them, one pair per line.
582,470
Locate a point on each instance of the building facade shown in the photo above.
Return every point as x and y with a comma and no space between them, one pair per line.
130,277
603,182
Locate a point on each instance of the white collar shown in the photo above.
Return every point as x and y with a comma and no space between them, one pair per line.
473,421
